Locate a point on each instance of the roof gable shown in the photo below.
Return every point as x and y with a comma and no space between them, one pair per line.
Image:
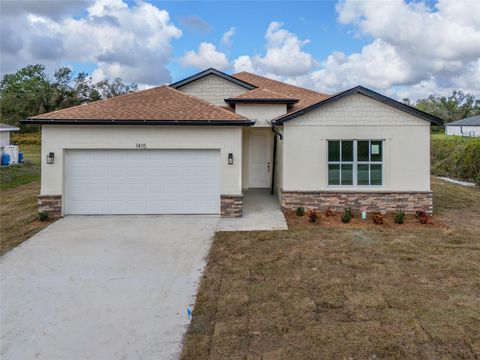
306,97
212,71
262,95
160,105
366,92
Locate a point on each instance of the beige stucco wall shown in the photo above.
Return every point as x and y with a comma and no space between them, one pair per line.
357,117
57,139
213,89
261,113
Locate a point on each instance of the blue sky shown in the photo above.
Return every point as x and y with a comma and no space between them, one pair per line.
398,47
311,20
315,21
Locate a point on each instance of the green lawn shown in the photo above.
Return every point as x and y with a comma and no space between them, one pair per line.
19,187
15,175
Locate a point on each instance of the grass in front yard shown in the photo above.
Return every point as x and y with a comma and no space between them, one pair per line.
18,215
19,187
317,292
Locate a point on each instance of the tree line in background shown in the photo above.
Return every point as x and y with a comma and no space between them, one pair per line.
456,106
30,91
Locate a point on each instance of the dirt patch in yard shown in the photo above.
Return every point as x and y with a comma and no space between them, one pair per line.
345,291
18,215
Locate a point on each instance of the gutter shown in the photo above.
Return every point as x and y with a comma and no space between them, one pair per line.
138,122
286,101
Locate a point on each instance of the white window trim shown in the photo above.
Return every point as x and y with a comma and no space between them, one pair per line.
355,164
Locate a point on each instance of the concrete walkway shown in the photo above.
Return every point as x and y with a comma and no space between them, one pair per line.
261,211
103,287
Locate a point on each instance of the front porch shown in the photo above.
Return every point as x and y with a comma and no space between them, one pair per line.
261,211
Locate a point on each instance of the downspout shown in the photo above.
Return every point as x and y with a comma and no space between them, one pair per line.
276,133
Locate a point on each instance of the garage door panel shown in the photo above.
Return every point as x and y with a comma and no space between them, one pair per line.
142,182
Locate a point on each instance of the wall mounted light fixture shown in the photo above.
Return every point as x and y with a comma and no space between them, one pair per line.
230,158
50,158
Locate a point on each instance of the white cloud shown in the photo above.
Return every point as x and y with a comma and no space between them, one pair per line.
416,47
133,43
284,55
378,65
416,50
206,56
227,37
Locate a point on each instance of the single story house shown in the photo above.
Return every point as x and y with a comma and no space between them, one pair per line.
466,127
195,147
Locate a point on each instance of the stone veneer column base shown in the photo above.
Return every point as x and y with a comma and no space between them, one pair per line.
409,202
231,205
52,204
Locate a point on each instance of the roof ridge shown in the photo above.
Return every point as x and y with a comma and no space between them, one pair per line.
265,89
280,82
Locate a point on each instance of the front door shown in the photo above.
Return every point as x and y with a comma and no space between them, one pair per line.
259,161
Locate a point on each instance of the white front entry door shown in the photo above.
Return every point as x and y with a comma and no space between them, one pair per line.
259,160
142,182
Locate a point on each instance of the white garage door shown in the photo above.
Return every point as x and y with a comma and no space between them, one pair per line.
142,182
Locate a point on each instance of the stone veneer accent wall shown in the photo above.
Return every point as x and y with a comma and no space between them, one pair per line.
231,205
409,202
52,204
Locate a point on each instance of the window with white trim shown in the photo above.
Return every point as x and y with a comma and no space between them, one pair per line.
355,162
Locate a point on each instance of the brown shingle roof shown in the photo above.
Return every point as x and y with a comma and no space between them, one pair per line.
306,97
262,93
161,103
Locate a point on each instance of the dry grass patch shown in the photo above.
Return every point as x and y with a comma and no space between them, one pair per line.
323,292
18,215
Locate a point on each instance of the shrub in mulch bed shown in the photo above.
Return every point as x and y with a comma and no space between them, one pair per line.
312,215
346,216
377,218
399,217
422,217
300,211
334,219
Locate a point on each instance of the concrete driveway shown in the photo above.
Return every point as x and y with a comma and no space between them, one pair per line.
103,287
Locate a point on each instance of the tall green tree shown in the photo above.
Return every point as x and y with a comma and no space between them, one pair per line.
455,106
30,91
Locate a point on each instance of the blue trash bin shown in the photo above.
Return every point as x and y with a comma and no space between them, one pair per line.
5,159
20,157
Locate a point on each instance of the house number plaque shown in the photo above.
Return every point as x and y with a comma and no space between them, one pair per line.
141,146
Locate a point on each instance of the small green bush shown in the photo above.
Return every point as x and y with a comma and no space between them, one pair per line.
399,217
42,215
300,211
346,216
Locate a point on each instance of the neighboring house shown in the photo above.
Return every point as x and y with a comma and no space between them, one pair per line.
196,146
5,130
466,127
